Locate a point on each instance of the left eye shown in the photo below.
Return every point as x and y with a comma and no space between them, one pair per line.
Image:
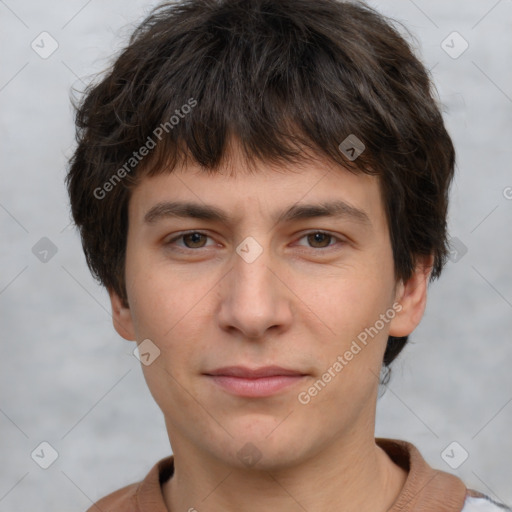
195,239
319,237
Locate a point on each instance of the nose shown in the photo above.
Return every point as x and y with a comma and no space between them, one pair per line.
254,298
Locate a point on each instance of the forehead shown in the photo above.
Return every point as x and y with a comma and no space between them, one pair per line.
272,192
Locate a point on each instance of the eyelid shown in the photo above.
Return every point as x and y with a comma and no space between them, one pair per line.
179,236
337,238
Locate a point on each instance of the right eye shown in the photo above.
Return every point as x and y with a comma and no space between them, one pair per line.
192,240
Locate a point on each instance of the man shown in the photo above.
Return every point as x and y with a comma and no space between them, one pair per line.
262,187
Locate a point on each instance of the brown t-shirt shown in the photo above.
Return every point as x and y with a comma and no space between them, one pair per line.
425,490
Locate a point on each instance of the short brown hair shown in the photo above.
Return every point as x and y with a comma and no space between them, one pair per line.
281,76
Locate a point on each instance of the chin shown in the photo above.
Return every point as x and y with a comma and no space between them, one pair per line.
264,444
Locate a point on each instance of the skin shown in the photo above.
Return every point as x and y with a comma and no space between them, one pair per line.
299,305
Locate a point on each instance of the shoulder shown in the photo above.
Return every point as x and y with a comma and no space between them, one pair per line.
427,488
122,500
478,502
144,496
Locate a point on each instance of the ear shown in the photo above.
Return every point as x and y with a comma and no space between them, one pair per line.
412,296
121,317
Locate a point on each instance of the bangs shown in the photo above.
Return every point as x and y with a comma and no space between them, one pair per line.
270,82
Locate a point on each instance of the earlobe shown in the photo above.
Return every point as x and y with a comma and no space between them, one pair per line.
121,317
412,296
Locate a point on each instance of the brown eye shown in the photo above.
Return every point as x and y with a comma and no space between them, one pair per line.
190,240
320,238
193,240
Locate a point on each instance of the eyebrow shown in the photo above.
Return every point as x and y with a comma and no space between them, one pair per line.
184,209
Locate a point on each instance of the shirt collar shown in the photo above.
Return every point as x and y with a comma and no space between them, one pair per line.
425,490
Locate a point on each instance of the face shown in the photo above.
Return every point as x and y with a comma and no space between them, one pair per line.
253,279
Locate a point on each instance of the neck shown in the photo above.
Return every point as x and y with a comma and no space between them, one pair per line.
358,475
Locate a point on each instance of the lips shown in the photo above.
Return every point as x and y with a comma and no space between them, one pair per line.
254,382
256,373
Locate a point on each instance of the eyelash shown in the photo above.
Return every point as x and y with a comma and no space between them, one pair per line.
186,249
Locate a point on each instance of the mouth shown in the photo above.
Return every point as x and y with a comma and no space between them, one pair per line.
257,382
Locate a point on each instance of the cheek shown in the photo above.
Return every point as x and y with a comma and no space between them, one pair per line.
167,305
172,312
348,302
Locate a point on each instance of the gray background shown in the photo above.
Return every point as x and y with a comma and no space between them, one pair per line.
68,379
